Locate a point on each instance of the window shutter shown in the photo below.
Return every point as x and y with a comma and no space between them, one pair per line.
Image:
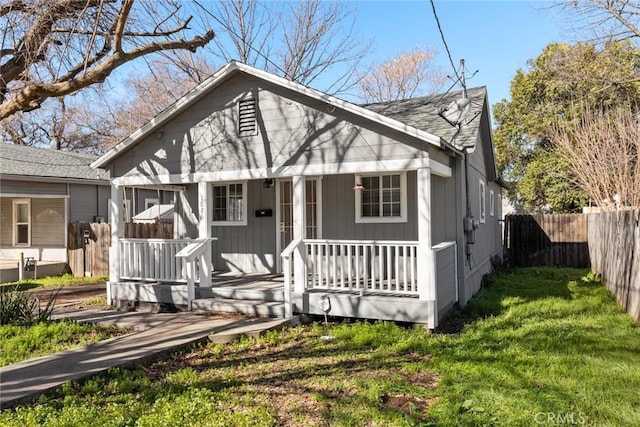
247,117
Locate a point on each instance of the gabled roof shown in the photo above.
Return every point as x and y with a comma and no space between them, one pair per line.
20,161
422,113
235,67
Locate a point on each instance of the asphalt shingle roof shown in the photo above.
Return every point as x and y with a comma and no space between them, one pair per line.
41,162
422,113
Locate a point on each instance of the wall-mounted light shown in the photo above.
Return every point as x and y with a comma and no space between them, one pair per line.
267,183
358,186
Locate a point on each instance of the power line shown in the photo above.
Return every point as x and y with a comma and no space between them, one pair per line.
435,15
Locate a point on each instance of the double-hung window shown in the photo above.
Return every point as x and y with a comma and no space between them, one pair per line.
381,198
230,204
22,222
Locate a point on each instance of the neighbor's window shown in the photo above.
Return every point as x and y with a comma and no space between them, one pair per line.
483,212
492,202
247,125
22,222
229,204
150,203
383,198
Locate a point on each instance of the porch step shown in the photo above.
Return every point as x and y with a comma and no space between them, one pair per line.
253,307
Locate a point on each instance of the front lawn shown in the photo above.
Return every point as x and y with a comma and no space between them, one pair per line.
539,347
22,342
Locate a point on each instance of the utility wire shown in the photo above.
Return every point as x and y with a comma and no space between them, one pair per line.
435,15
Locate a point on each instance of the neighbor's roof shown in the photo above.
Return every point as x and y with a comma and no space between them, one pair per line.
234,67
422,113
20,161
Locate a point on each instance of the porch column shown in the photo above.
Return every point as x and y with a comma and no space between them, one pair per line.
426,255
299,232
205,201
117,232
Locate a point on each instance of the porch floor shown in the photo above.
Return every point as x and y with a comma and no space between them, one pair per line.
9,270
256,281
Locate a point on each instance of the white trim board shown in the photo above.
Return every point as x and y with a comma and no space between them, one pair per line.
289,171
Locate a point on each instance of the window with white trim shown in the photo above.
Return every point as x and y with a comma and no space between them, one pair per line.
22,222
230,203
247,125
383,198
483,204
492,202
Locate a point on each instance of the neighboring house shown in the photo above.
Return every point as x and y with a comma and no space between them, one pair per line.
41,192
361,207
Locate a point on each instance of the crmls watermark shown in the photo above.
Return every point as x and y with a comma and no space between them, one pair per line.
560,418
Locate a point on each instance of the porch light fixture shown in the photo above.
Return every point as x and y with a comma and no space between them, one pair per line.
358,186
267,183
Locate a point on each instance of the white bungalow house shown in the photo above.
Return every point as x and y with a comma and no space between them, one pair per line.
383,211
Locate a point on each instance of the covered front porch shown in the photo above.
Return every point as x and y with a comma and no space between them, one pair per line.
358,279
402,278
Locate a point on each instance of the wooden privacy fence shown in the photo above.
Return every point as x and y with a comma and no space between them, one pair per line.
554,240
614,248
91,257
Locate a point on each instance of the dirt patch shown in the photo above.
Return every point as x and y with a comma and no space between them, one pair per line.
410,405
68,295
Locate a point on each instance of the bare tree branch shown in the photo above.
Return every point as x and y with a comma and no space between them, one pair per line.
603,150
33,94
604,20
44,61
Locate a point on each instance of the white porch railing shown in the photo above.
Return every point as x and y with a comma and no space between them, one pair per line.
387,267
287,257
153,259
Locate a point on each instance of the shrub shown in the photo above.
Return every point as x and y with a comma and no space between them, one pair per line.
18,307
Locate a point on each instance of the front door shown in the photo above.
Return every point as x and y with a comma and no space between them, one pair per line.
313,192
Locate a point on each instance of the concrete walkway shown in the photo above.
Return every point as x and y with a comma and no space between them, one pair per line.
156,334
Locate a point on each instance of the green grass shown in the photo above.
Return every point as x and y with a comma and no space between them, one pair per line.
538,347
51,281
548,343
26,342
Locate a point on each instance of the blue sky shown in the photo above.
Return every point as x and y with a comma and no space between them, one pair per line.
494,37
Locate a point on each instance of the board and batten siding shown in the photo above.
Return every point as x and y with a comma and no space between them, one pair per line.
338,213
249,248
252,248
292,130
443,209
486,243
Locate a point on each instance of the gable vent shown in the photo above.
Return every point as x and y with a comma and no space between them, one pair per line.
247,117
